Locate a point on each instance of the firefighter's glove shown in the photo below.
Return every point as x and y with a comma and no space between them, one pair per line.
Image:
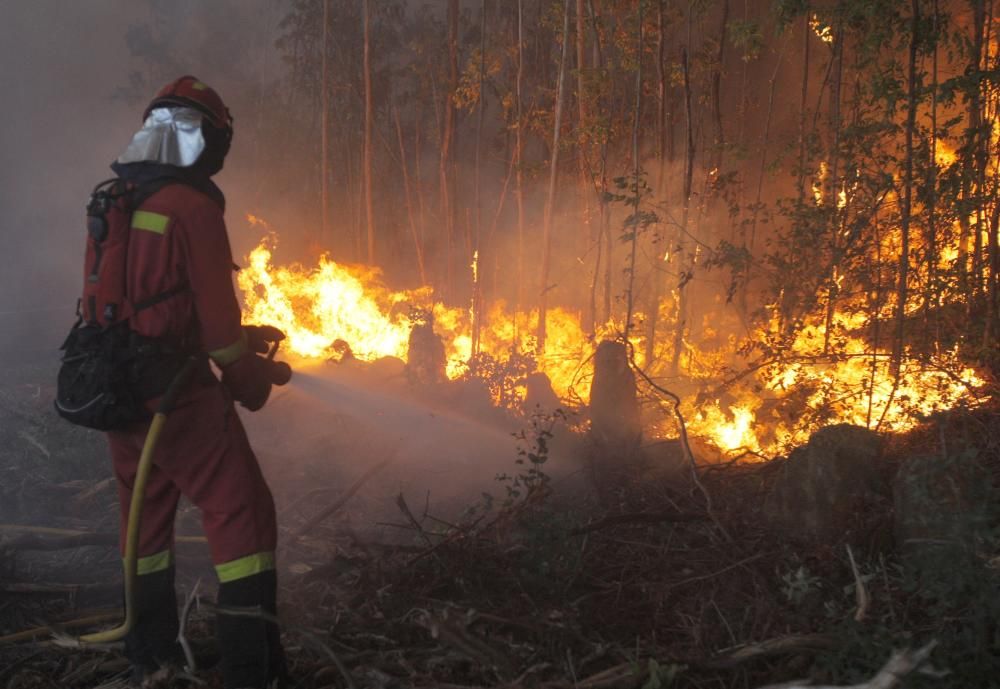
249,380
261,337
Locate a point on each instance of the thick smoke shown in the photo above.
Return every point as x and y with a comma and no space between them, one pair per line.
75,77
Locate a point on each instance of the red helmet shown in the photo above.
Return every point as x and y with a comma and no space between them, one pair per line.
188,91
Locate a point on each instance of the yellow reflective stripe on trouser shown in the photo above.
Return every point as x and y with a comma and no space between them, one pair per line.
155,563
245,567
227,355
151,222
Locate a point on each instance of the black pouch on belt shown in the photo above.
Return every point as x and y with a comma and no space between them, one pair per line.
108,373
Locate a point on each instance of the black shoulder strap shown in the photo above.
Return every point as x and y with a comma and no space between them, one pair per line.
179,288
143,191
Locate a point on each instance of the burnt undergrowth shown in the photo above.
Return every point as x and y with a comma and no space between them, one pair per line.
615,577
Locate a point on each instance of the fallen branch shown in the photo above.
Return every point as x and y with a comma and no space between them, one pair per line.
712,575
795,643
638,518
685,444
455,535
860,591
622,676
335,507
405,509
897,668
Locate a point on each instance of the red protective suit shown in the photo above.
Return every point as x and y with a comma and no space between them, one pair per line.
177,235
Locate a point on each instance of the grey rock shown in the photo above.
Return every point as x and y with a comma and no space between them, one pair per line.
822,484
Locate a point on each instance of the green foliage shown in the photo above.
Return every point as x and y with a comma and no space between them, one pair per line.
661,676
532,454
798,584
747,38
502,376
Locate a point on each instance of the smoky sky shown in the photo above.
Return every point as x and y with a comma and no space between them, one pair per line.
75,77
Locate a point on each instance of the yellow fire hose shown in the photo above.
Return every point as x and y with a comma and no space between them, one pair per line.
131,559
280,376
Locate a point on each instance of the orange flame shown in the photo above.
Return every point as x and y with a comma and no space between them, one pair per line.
763,413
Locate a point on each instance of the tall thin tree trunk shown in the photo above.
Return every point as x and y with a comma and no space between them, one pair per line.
447,140
603,257
324,166
720,137
831,193
519,168
657,273
369,203
417,243
586,186
476,253
904,220
553,177
806,35
418,180
993,239
637,115
684,276
977,149
933,293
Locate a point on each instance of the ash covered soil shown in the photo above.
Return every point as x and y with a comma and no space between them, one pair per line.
416,551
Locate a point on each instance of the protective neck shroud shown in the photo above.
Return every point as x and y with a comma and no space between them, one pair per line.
144,172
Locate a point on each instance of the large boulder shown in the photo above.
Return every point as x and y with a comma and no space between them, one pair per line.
944,506
822,485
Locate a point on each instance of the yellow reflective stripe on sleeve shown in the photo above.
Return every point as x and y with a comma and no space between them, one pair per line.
245,567
151,222
227,355
155,563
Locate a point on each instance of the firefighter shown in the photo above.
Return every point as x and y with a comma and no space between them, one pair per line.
179,259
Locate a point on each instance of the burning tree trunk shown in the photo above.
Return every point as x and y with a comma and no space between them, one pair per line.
369,205
614,407
904,251
553,177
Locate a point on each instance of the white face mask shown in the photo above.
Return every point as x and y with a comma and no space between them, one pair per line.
171,136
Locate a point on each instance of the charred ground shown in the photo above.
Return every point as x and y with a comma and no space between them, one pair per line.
588,566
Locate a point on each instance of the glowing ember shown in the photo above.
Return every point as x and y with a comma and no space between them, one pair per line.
822,30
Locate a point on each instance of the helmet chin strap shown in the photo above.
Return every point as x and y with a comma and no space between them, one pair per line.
217,143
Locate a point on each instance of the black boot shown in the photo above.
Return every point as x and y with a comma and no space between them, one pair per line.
152,642
252,655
